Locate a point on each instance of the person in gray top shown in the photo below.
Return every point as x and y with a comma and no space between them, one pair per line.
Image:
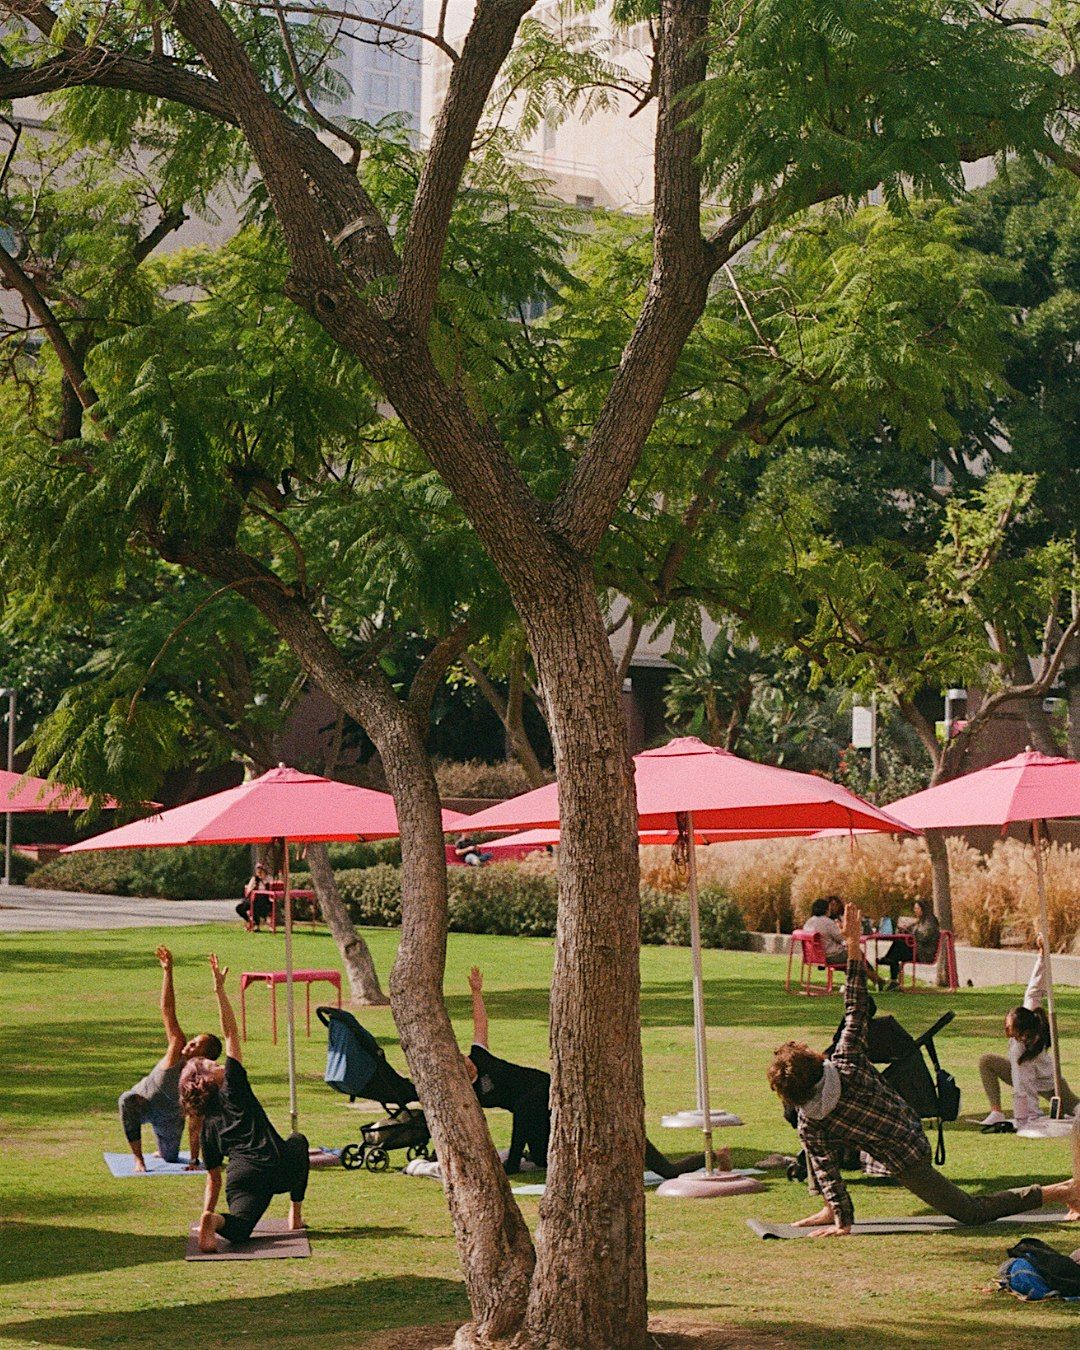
155,1099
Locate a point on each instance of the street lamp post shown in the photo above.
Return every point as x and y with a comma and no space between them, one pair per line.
11,768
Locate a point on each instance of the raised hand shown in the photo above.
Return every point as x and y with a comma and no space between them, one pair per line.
165,957
851,927
476,980
219,972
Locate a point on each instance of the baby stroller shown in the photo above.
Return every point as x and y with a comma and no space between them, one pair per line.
357,1067
931,1096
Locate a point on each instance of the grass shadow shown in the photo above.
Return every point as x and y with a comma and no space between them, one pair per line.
334,1315
40,1251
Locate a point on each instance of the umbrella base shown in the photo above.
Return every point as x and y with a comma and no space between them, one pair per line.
701,1186
695,1120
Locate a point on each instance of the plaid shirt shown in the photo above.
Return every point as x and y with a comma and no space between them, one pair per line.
869,1114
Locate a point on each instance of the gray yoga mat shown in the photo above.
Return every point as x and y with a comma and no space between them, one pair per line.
271,1240
923,1223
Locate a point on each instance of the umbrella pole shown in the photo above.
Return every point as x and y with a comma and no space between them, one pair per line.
700,1048
291,1012
1044,928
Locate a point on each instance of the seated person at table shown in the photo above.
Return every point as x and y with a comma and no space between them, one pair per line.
922,944
234,1125
468,851
1030,1064
254,908
842,1102
832,938
524,1093
155,1099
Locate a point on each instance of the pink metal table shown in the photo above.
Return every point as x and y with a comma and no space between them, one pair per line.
272,978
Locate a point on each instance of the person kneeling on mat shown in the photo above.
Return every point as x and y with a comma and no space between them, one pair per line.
155,1099
234,1125
525,1094
843,1101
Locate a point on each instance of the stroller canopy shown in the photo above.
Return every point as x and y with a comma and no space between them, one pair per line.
356,1064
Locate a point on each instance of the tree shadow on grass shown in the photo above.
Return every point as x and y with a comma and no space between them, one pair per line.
41,1251
335,1315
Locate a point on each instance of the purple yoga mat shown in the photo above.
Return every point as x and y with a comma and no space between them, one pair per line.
271,1240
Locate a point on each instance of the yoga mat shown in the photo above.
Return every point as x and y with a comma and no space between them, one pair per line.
651,1179
923,1223
271,1240
123,1165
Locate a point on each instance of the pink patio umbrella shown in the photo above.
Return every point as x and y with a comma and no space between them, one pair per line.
1029,788
283,806
688,789
530,840
21,794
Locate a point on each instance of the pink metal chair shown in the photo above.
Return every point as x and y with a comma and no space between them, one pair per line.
946,944
811,949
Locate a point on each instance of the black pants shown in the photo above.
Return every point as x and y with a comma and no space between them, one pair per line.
532,1132
262,908
249,1189
899,952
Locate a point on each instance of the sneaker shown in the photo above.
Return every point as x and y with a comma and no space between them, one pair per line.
994,1118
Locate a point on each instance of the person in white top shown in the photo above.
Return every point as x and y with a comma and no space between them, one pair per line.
832,938
1029,1066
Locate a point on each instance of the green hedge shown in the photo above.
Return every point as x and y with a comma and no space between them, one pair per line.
358,855
504,899
203,873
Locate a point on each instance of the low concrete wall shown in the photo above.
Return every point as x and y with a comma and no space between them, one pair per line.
977,967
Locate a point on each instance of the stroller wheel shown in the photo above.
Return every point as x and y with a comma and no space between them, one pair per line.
421,1152
352,1155
377,1160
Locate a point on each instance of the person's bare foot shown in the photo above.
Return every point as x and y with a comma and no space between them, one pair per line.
208,1228
723,1159
140,1166
296,1222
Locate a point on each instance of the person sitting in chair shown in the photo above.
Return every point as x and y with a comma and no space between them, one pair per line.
525,1094
825,926
253,909
234,1125
842,1102
921,944
155,1099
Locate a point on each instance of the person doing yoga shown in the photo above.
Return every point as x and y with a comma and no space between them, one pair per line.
843,1101
235,1126
155,1099
1029,1066
525,1094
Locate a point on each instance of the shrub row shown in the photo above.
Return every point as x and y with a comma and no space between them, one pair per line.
521,901
205,873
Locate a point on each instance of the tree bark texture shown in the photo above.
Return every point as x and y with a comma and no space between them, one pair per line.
593,1212
364,987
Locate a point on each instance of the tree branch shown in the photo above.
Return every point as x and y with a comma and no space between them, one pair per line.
485,48
432,669
676,296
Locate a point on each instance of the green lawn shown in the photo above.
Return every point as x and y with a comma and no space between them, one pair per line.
86,1260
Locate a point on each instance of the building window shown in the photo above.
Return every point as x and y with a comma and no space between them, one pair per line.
550,128
583,202
377,88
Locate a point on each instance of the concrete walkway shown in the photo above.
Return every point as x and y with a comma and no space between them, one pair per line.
24,909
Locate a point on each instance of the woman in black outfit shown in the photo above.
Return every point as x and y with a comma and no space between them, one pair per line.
920,943
234,1125
524,1093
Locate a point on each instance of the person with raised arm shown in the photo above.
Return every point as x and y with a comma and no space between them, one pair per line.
235,1126
155,1099
1029,1066
525,1094
844,1101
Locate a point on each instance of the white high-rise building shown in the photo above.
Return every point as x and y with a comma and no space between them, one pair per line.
603,160
383,68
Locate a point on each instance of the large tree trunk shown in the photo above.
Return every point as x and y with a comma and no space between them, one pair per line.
1070,675
365,990
942,882
493,1240
593,1211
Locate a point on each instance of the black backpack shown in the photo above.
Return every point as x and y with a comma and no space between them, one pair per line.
1060,1272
